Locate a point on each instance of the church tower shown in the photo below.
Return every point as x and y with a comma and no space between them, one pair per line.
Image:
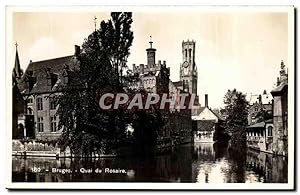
188,68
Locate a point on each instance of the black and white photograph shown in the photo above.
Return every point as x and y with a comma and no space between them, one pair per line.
161,97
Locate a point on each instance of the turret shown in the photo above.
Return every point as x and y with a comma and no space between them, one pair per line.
150,54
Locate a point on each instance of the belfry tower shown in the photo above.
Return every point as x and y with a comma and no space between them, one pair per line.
188,68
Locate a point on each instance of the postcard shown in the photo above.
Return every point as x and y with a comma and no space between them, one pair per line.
150,97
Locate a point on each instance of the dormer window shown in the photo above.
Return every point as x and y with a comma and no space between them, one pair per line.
30,80
51,78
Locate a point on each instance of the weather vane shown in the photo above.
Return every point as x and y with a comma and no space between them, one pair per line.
16,45
151,42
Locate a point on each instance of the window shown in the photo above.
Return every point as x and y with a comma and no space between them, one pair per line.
52,103
270,131
256,109
39,103
29,100
53,124
190,52
40,124
186,53
29,111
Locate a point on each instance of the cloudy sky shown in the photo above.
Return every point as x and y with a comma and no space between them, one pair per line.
240,50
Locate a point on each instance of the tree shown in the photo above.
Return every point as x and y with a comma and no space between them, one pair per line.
87,128
147,126
236,113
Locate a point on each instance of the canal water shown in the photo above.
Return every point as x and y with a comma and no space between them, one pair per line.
196,163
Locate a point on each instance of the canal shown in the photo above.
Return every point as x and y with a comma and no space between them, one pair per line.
197,163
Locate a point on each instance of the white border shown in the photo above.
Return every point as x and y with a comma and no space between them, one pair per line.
127,185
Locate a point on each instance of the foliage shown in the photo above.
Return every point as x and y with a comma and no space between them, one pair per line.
263,115
87,128
147,125
236,113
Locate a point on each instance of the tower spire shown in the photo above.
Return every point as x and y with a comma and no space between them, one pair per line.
17,68
95,22
151,42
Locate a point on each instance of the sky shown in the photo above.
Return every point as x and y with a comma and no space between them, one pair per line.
241,50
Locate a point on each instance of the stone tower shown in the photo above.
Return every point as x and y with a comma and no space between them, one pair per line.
150,54
188,68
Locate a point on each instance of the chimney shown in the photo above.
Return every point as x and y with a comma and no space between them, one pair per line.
259,99
265,92
77,50
206,100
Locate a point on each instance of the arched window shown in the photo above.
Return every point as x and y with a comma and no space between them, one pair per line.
270,131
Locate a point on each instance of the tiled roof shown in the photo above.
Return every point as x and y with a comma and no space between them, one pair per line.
39,72
257,125
220,117
213,112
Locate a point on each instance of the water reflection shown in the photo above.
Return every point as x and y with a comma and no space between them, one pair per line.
203,163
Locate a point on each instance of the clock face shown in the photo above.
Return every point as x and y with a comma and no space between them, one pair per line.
185,64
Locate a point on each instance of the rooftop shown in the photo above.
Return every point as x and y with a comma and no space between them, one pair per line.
39,69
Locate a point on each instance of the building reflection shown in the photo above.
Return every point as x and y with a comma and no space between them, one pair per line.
202,163
211,163
267,167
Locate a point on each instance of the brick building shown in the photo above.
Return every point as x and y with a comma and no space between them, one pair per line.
257,104
38,86
208,125
280,113
272,135
42,80
155,78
